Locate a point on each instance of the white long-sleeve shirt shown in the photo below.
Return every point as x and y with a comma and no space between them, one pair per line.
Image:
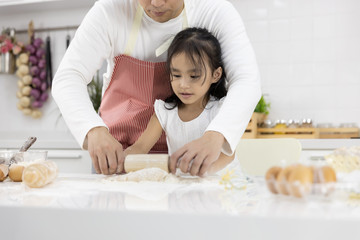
103,34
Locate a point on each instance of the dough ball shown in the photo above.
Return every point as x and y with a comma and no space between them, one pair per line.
300,181
270,178
147,174
281,180
15,172
326,174
4,170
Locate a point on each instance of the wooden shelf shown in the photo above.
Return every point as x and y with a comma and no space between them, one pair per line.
338,132
301,133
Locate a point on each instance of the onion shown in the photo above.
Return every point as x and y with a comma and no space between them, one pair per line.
35,93
26,90
37,42
34,70
31,49
19,94
42,75
44,96
37,104
36,82
42,63
25,102
33,60
24,58
40,53
27,111
43,86
23,69
27,79
20,84
36,114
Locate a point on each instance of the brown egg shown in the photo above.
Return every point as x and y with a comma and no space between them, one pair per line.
4,170
281,180
15,172
300,181
270,178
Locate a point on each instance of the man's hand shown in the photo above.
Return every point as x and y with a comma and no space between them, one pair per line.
203,152
106,152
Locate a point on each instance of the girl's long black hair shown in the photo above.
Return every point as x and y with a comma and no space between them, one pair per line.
199,45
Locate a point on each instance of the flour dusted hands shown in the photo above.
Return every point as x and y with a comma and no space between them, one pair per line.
203,151
106,152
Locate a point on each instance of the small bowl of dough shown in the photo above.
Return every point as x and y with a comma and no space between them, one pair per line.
13,162
14,156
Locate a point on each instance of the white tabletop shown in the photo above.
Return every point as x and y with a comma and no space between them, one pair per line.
91,207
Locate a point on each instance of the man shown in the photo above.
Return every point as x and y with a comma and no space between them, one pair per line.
132,35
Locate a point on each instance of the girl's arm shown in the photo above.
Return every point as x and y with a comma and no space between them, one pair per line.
220,163
147,139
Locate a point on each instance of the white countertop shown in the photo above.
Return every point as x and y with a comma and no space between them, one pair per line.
89,207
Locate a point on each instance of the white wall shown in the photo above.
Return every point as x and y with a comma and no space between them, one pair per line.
309,56
308,52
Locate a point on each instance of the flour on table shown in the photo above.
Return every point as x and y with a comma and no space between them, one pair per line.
147,174
157,175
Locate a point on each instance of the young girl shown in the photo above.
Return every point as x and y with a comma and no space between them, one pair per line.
197,80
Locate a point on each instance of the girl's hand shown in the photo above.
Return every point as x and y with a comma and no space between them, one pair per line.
203,151
106,152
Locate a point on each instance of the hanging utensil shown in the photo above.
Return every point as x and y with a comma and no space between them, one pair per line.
49,74
67,41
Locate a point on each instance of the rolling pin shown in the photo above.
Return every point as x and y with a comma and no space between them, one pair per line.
134,162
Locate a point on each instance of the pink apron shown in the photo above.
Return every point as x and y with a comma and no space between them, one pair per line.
128,102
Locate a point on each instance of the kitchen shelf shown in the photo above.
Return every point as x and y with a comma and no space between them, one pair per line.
338,132
300,133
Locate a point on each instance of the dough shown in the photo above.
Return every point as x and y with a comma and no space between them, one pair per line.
159,175
39,174
147,174
15,172
4,170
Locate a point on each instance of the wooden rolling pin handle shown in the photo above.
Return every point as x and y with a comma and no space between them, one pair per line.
134,162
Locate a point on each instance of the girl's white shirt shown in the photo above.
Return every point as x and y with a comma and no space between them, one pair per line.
178,133
103,34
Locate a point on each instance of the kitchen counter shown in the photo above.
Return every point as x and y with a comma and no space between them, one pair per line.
85,206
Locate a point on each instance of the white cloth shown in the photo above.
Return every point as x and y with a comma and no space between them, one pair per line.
103,35
178,133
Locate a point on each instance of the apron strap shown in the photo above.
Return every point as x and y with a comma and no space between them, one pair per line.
165,46
130,45
134,31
